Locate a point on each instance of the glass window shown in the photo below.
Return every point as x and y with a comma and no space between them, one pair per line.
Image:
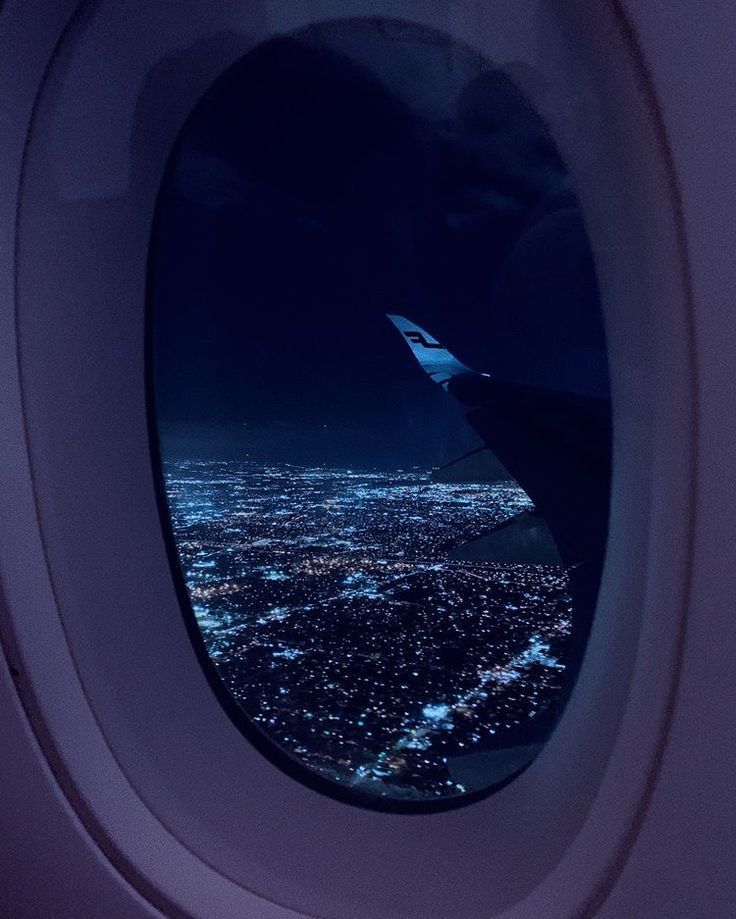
382,404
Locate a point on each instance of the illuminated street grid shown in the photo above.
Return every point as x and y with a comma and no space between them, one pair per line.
333,615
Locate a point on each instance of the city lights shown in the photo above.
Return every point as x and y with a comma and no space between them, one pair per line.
337,619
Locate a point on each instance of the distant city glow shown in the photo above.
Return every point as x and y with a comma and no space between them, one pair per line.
337,619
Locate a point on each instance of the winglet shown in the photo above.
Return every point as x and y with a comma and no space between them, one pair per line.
432,356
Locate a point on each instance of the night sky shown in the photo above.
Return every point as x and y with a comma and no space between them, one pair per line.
310,195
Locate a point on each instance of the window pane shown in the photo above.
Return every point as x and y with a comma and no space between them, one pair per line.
383,414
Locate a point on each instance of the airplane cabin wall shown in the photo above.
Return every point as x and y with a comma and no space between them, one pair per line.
58,857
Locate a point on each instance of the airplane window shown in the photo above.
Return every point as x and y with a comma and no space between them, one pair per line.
382,410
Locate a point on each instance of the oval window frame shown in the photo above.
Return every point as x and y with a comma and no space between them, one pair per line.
665,306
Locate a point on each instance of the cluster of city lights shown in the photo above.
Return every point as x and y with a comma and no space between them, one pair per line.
338,620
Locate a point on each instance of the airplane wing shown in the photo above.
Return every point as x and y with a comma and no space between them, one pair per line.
433,357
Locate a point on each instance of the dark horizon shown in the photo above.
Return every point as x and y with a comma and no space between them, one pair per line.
278,444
